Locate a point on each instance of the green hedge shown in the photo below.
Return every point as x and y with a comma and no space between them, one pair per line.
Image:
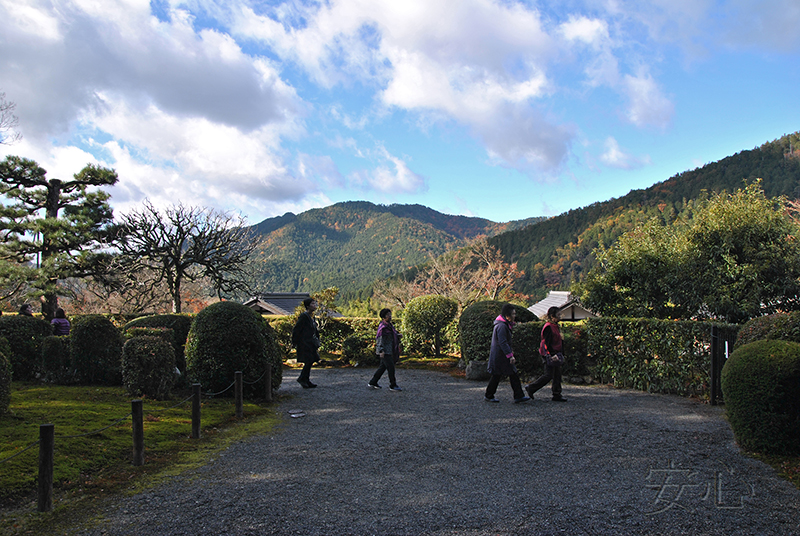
96,350
227,337
180,324
781,326
6,373
658,356
25,335
761,384
56,361
148,366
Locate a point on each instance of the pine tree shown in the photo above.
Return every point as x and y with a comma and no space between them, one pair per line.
55,229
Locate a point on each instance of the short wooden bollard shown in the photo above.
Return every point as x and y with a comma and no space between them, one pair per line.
196,411
268,390
46,449
137,414
237,380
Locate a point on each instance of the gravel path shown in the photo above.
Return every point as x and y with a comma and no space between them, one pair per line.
436,459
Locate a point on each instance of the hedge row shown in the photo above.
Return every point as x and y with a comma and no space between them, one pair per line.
658,356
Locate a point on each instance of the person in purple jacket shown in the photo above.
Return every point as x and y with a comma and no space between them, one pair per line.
60,323
501,356
387,346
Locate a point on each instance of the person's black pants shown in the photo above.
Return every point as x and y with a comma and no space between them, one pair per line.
550,373
513,379
387,365
305,373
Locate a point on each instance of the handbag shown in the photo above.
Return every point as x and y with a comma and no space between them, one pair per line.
554,360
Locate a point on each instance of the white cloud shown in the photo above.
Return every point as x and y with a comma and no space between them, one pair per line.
615,157
391,175
647,105
469,61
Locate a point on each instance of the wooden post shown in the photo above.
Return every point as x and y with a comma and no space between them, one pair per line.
237,380
196,411
46,449
714,366
268,388
137,416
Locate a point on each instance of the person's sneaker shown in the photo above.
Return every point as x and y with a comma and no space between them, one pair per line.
493,399
311,385
373,386
520,400
303,383
395,388
529,390
559,399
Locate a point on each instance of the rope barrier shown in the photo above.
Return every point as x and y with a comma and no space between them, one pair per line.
219,393
95,431
255,381
20,452
185,400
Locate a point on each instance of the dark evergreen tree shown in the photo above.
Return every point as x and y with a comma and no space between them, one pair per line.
53,229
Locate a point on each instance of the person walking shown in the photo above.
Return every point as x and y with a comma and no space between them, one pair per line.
387,346
305,338
60,323
551,344
501,356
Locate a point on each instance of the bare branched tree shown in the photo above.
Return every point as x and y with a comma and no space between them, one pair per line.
8,122
184,244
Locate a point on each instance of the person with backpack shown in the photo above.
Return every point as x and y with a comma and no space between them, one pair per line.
501,356
551,349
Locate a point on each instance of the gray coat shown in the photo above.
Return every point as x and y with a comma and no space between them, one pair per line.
501,347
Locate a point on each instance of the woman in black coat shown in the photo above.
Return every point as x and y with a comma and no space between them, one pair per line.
305,338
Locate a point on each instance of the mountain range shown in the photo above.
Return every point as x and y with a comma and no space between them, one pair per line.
351,245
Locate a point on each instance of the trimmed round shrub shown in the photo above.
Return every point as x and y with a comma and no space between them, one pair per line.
24,335
56,366
475,328
425,319
96,350
180,324
6,373
357,350
761,386
227,337
148,366
780,326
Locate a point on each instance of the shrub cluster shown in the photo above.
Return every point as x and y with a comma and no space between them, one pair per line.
761,385
5,376
96,350
56,360
24,335
424,321
148,366
227,337
780,326
178,323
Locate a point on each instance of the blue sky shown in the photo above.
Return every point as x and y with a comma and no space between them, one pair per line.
498,109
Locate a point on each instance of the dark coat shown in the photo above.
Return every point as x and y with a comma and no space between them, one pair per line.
305,338
501,349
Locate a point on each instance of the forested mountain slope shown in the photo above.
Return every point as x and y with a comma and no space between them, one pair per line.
557,251
352,244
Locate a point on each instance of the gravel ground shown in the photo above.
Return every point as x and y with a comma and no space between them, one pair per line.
436,459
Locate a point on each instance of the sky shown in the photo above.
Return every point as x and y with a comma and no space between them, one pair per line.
497,109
